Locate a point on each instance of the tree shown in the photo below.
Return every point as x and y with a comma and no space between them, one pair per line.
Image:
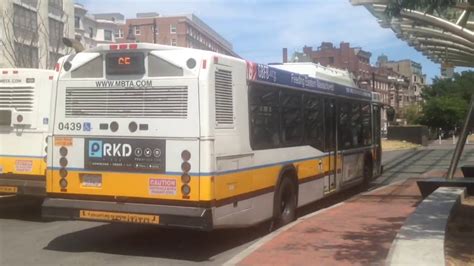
446,101
30,40
412,114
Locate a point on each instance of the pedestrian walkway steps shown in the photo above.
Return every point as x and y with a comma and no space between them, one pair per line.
421,239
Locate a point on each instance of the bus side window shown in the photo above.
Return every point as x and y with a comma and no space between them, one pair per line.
366,124
344,125
314,121
264,117
291,118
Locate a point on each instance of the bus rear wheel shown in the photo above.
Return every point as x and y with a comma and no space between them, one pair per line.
285,203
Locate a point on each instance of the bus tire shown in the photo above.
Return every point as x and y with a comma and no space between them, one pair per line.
284,207
368,171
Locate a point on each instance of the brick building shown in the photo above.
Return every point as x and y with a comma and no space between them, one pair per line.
410,69
354,59
185,31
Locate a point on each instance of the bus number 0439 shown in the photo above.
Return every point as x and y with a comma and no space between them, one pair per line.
70,126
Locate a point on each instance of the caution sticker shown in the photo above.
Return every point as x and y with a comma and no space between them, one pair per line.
162,186
23,166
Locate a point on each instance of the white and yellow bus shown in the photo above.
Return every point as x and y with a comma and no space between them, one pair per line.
25,101
179,137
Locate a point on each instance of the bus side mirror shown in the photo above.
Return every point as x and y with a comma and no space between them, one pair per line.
74,44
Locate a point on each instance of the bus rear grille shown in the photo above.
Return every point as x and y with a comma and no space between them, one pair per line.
155,102
19,98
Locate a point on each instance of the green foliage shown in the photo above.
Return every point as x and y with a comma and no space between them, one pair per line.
412,114
394,7
446,101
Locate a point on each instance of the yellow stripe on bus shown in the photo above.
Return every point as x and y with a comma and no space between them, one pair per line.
203,188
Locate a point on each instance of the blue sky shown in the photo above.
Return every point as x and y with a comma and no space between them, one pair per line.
260,29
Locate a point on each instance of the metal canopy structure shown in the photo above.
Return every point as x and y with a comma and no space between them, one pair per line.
446,39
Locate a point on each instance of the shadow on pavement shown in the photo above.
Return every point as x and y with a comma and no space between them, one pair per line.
21,208
150,241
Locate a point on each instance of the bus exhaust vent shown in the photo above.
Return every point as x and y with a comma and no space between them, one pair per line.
155,102
19,98
224,99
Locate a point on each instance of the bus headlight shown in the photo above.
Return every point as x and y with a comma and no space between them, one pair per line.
19,118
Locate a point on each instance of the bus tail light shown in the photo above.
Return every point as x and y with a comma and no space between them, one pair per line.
185,189
185,177
133,46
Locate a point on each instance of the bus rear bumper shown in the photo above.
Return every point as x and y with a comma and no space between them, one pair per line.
108,211
23,185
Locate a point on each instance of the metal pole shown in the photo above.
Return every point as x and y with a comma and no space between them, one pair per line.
461,141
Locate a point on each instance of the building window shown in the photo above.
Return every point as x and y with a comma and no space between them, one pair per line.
77,22
137,30
32,3
172,28
27,55
108,35
56,32
155,29
174,42
91,32
331,60
53,58
56,7
25,23
119,34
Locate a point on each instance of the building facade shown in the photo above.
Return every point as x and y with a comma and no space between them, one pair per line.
184,31
31,32
92,30
354,59
410,69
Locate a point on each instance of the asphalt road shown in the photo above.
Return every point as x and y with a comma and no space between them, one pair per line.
25,239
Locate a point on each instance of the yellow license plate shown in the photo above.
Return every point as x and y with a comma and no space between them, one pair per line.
4,189
119,217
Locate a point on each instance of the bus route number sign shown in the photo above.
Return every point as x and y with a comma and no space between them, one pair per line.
129,155
125,64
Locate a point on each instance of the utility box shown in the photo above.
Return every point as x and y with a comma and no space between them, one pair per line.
413,134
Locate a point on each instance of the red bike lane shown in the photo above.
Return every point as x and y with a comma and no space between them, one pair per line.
358,231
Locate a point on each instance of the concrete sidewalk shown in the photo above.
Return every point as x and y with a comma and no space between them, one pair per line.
359,231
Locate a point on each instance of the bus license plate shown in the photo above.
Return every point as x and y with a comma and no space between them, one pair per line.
119,217
4,189
91,180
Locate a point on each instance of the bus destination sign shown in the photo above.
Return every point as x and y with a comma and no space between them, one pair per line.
125,64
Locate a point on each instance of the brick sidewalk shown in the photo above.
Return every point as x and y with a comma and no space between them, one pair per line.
358,232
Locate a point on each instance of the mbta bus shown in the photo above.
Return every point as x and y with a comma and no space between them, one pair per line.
25,100
178,137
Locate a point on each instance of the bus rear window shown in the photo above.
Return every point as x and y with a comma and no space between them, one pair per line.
158,67
125,64
92,69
